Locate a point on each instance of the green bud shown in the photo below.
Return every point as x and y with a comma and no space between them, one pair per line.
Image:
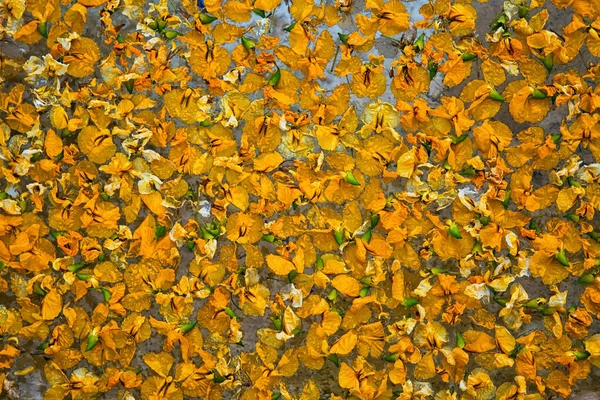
129,85
206,123
3,195
561,257
275,78
573,217
217,377
120,39
374,220
501,301
499,21
190,245
534,303
214,229
42,28
106,294
409,302
390,358
161,24
339,236
37,289
506,200
92,340
332,295
105,196
586,279
349,177
477,248
523,10
515,352
548,311
83,277
268,237
259,12
248,43
101,257
419,44
454,231
548,62
159,231
206,235
538,94
433,69
468,57
459,139
231,313
289,28
65,133
75,267
366,280
277,323
446,165
573,182
364,292
469,171
276,396
533,225
581,355
43,346
436,271
56,234
556,138
334,359
495,95
343,38
594,235
206,19
59,157
153,25
185,328
171,34
320,264
367,236
291,275
460,341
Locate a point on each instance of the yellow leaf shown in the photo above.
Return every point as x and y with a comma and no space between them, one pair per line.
97,144
51,305
280,265
398,286
59,118
345,344
160,363
267,162
346,285
425,369
53,144
478,342
347,377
